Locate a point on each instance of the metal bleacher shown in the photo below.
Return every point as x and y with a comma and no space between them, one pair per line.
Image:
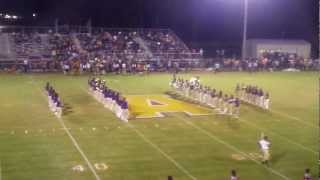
18,43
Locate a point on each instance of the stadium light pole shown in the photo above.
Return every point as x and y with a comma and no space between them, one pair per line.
244,36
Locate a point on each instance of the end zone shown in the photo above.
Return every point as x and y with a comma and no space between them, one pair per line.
154,106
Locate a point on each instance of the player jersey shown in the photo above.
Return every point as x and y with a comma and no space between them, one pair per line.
124,105
307,176
264,144
105,93
234,178
261,93
237,102
117,98
193,80
58,103
112,95
231,100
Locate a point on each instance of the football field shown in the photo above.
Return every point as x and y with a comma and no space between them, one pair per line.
90,143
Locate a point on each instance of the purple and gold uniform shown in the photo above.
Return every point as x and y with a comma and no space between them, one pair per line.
225,104
115,99
236,111
307,175
124,110
110,98
230,105
266,101
220,101
54,102
206,95
261,98
234,175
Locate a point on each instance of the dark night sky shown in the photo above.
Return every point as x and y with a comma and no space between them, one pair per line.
193,20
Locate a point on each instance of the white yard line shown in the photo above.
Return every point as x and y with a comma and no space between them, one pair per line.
180,167
146,95
283,137
295,118
75,143
233,148
0,171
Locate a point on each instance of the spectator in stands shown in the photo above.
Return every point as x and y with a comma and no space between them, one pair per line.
100,51
26,65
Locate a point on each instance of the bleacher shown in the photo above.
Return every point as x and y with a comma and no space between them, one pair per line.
45,47
142,44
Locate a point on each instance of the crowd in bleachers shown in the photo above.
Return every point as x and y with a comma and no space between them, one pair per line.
23,43
62,47
268,61
29,46
162,42
105,52
130,50
134,50
114,51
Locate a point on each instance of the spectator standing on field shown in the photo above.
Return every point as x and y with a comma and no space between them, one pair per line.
234,175
307,175
264,145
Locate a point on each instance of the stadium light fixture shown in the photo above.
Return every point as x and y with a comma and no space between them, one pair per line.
34,15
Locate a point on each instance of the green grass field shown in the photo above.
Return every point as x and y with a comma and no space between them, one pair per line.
34,146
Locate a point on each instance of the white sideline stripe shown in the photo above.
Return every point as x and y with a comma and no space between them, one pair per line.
72,138
283,137
163,153
294,118
0,171
148,95
233,148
